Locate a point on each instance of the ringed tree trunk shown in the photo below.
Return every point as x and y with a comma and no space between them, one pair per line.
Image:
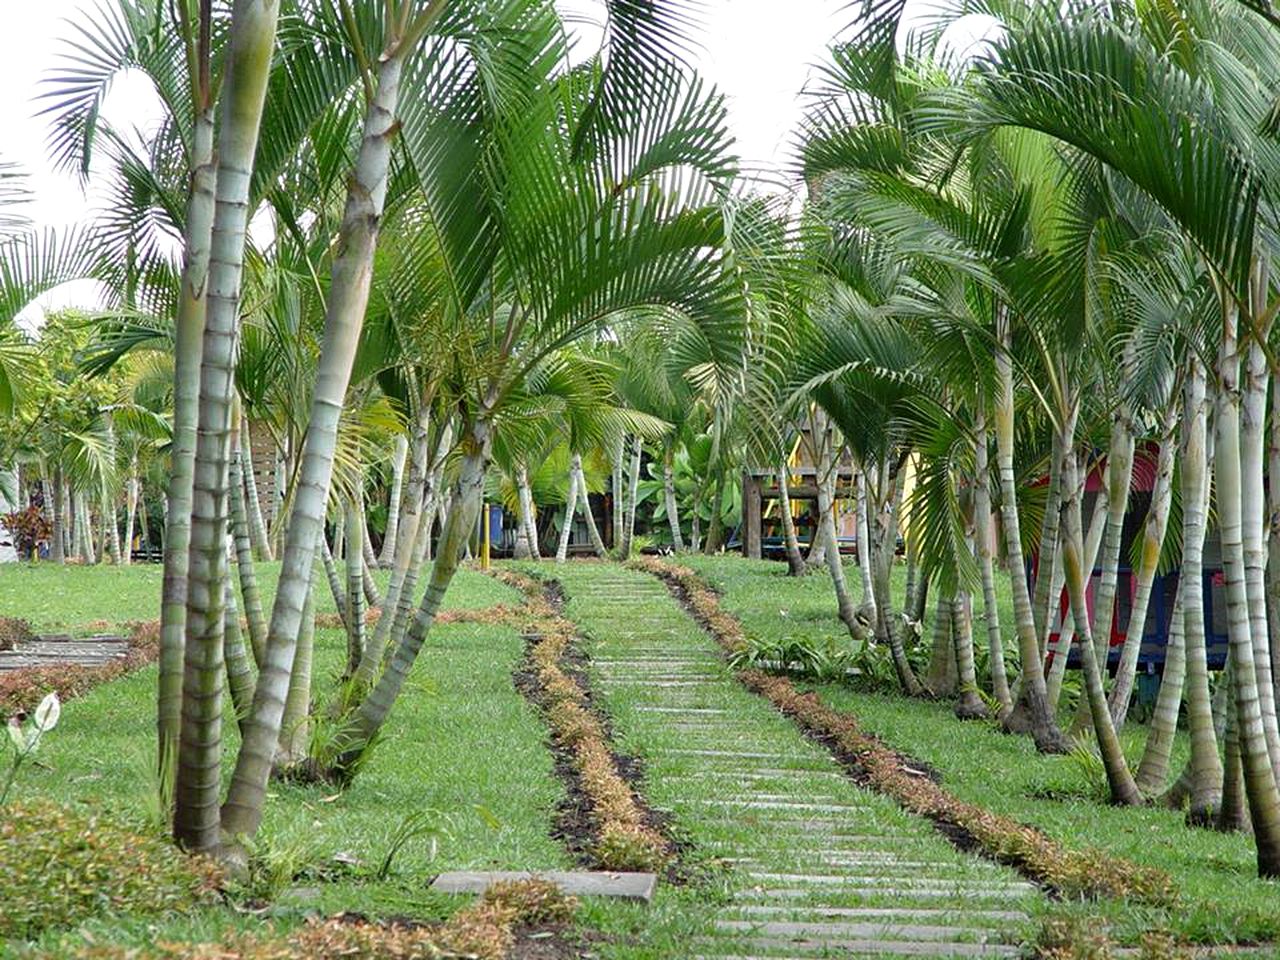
795,559
1050,548
1153,770
619,498
57,547
1032,711
1253,412
1067,635
864,543
344,318
335,580
1123,788
125,554
355,590
942,679
969,705
295,726
570,508
826,512
254,616
1119,476
669,494
468,494
386,556
986,563
257,526
1153,533
197,824
884,538
187,350
633,496
527,520
1231,463
597,543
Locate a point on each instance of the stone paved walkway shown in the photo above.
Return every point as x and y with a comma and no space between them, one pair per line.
815,865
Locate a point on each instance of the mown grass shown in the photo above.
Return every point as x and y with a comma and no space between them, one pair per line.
463,751
75,598
1222,898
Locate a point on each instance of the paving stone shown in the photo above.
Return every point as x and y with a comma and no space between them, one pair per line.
904,882
875,948
831,932
586,883
964,912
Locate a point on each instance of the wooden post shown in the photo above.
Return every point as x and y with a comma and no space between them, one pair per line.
484,537
751,515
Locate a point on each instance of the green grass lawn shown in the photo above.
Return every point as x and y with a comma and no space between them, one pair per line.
462,747
72,598
1223,900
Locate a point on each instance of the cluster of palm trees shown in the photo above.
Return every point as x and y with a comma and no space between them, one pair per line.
435,256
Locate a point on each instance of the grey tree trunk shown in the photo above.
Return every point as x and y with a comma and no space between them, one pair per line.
197,825
257,526
57,537
386,556
1153,770
295,726
355,590
633,492
593,532
864,542
570,508
795,559
616,463
942,680
1067,635
254,616
986,565
1032,712
669,495
344,318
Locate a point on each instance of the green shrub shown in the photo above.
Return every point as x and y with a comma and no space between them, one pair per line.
62,866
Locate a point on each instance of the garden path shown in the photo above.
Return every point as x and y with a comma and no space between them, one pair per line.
813,864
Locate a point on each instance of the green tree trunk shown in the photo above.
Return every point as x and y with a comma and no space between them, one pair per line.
254,616
295,726
1066,637
1153,770
355,590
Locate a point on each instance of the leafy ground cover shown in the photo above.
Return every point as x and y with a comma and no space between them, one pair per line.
1222,900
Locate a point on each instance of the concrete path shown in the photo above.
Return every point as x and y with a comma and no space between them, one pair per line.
814,865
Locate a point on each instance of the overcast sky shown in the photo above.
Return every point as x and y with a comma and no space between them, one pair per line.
758,52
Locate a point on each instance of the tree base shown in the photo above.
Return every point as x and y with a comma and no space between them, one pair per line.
971,707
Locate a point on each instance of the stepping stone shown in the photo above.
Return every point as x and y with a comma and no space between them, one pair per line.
585,883
829,933
1015,916
780,805
909,884
874,948
957,892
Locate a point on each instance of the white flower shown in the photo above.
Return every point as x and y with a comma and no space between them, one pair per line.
15,734
48,712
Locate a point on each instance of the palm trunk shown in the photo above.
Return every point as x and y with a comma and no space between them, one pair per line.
1123,789
528,524
969,705
941,680
864,542
715,528
1032,711
355,590
1205,765
1153,770
410,533
1067,635
633,493
344,319
669,495
295,725
1153,531
844,599
1260,783
593,532
570,508
986,564
1253,411
254,616
1233,815
619,498
187,351
386,557
125,555
366,548
1047,574
57,536
468,496
334,578
795,559
196,819
883,544
371,595
1119,476
257,526
240,679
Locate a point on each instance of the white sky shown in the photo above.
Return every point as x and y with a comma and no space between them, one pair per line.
758,52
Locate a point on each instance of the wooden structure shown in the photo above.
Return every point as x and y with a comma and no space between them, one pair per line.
761,486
